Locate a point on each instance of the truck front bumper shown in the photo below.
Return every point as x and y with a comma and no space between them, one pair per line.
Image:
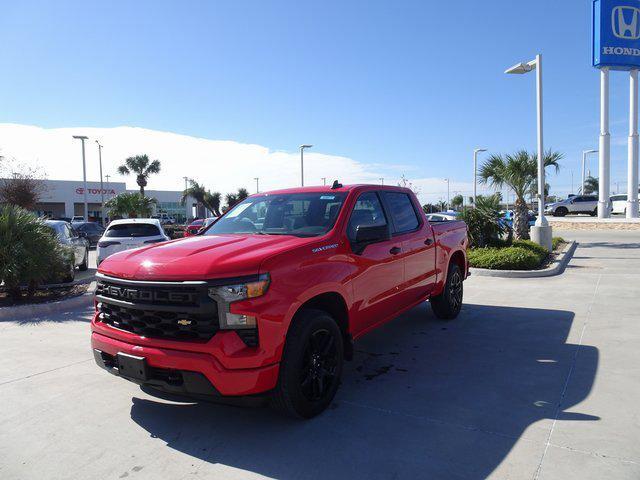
193,374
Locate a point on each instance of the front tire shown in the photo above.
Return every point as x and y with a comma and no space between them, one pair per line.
311,365
560,212
448,304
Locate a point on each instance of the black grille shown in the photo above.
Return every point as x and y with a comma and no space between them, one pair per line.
155,324
151,295
174,311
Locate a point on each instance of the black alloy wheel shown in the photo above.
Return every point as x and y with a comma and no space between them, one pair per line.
319,367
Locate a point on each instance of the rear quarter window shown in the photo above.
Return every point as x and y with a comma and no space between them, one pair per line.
402,212
132,230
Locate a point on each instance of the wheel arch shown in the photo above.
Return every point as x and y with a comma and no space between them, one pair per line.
335,305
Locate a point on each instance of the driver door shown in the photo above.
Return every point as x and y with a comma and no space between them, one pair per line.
379,267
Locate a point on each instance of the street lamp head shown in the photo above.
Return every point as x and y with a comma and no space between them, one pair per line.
478,150
80,137
306,146
590,151
520,68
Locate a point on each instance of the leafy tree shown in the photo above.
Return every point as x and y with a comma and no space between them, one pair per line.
591,185
234,198
203,196
131,205
141,167
518,171
22,187
429,208
405,183
483,221
441,206
30,253
457,201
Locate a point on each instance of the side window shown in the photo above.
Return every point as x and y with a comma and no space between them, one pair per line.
367,211
402,212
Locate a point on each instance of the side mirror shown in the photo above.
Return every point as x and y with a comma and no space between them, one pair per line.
369,234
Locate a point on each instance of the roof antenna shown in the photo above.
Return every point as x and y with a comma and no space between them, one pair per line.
336,184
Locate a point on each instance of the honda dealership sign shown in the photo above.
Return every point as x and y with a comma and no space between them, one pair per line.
616,34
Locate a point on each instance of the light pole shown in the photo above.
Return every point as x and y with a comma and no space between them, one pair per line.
101,184
448,204
257,179
302,147
475,171
324,180
82,138
584,163
541,232
382,181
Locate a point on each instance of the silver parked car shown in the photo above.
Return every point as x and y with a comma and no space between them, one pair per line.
574,205
78,242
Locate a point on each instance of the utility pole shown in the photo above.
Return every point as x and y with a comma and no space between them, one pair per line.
324,180
257,179
82,138
382,181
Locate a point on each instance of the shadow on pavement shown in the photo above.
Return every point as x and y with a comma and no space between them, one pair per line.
422,399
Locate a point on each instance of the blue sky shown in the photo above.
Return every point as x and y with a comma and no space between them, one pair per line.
412,83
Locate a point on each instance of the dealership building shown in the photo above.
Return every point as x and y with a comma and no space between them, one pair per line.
65,198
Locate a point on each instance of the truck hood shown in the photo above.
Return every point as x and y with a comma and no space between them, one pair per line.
200,257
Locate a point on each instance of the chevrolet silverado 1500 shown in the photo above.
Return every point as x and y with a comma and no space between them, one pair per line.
270,298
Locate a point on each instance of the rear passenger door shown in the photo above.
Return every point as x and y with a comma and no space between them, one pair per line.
418,246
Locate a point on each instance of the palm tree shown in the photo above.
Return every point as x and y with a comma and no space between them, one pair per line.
131,205
142,167
457,201
234,198
442,206
517,171
591,185
211,201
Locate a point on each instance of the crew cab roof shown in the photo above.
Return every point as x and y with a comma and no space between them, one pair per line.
328,188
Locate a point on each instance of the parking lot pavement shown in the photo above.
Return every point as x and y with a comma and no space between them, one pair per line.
537,378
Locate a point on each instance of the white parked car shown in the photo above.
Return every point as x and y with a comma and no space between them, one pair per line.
442,217
619,203
129,233
574,205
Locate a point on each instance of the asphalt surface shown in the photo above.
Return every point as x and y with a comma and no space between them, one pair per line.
537,378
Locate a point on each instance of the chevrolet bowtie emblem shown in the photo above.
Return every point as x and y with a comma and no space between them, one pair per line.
184,322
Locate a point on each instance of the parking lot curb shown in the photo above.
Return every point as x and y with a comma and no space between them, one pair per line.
556,268
21,312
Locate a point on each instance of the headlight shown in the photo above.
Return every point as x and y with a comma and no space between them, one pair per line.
241,291
227,294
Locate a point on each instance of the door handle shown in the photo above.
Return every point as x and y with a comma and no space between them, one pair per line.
395,250
428,241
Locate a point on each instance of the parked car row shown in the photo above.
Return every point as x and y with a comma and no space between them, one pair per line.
77,241
586,204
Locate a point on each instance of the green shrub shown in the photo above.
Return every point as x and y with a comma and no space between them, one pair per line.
29,251
483,221
556,241
529,245
510,258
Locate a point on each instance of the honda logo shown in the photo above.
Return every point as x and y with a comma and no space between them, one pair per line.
625,22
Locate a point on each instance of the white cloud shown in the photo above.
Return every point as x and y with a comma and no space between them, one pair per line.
219,165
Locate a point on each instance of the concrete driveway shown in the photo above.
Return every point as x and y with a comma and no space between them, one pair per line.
537,378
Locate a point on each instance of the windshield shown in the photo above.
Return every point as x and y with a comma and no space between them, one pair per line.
299,214
132,230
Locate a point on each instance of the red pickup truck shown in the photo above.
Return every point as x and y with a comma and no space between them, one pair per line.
270,298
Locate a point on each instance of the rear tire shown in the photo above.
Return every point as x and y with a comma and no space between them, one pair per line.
560,212
311,365
84,266
447,305
594,213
